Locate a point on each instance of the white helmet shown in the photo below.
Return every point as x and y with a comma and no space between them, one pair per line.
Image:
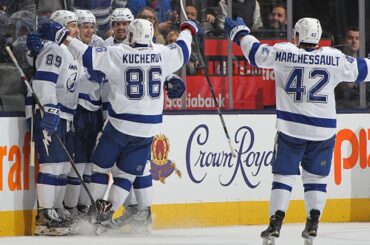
121,14
141,30
308,30
85,16
63,17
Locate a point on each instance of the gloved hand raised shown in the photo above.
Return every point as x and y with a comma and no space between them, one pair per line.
53,31
236,29
174,86
50,118
34,43
190,25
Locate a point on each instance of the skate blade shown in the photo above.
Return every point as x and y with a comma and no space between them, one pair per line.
44,231
308,241
268,241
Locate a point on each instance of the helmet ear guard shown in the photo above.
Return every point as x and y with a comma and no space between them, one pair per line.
307,30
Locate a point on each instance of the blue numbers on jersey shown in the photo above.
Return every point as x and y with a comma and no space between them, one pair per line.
295,85
50,60
135,82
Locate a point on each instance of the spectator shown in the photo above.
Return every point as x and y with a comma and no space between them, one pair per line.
207,13
172,36
194,63
162,8
20,24
249,10
278,18
149,14
3,27
347,93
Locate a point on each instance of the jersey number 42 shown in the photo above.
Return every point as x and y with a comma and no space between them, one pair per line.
295,85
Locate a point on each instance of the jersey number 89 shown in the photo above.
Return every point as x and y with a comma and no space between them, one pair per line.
135,82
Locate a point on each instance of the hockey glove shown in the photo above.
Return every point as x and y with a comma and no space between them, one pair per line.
174,86
50,119
191,26
53,31
236,29
34,43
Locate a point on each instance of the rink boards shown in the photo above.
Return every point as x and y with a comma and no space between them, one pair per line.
214,188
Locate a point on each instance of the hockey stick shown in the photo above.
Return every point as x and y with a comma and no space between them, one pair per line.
25,80
232,149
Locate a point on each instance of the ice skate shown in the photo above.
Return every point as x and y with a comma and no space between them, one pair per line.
49,223
128,216
142,221
310,230
273,230
104,217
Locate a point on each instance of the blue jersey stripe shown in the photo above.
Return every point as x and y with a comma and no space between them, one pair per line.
314,187
105,106
87,178
73,180
88,98
142,182
152,119
46,76
252,54
49,179
312,121
123,183
28,100
362,70
66,109
281,186
185,50
99,178
87,58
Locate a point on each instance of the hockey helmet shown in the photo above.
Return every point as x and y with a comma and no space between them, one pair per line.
63,17
140,31
85,16
308,31
121,14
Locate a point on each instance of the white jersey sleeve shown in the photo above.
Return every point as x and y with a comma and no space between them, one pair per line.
305,82
49,65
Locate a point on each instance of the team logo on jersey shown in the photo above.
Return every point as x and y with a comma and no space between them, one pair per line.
350,59
161,166
71,83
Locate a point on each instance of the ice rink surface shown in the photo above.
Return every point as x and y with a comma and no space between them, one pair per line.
329,234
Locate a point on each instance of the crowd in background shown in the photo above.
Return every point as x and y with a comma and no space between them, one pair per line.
266,18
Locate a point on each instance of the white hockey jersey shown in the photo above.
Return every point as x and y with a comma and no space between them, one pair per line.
90,93
305,82
56,80
136,77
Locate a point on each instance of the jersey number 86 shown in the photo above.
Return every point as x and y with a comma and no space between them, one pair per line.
135,82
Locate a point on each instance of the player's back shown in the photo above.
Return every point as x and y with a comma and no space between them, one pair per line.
136,82
305,82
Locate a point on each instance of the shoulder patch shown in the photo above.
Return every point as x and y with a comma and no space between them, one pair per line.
350,59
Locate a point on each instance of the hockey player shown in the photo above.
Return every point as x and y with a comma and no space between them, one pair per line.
56,85
306,117
138,204
136,104
120,20
87,123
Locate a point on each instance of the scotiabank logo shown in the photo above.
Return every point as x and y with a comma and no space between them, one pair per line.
18,159
358,153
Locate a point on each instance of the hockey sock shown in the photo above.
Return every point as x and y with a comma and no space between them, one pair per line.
282,186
